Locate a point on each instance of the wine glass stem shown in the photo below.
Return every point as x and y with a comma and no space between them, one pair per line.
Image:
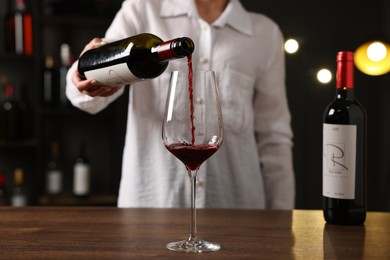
193,231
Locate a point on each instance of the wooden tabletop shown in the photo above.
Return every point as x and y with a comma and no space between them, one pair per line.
112,233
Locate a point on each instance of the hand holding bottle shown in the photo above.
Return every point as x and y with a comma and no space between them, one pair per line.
92,87
140,57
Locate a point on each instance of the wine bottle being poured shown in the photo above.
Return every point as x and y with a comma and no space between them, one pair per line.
140,57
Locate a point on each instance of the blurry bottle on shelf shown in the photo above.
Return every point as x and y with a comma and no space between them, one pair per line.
18,196
9,115
81,174
66,61
25,118
15,115
3,190
19,29
49,79
3,83
54,173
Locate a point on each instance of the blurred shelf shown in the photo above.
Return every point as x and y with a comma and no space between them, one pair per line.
56,22
69,200
7,57
28,143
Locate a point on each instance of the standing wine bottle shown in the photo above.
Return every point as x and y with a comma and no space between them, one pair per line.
18,197
48,82
3,190
54,172
81,174
19,30
9,115
344,151
66,60
143,56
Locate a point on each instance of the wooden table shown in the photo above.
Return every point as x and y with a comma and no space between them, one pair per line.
112,233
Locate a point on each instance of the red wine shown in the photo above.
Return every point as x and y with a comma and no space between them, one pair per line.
344,151
143,56
192,155
191,96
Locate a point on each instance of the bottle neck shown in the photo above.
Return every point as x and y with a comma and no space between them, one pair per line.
82,150
20,5
345,93
175,49
344,76
2,179
9,92
54,151
18,177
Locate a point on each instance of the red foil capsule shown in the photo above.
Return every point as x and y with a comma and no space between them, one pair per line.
345,67
165,51
176,48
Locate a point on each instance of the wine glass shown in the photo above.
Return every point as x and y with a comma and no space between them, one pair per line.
193,131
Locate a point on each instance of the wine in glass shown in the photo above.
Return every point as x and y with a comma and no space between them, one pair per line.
193,131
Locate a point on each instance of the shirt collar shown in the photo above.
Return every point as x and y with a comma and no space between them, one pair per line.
234,15
171,8
237,17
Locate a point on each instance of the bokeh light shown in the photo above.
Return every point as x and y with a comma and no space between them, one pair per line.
291,46
324,76
373,58
376,51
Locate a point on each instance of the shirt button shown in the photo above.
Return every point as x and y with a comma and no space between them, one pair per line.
204,27
203,60
199,100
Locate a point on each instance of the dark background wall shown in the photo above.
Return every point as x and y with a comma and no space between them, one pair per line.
324,28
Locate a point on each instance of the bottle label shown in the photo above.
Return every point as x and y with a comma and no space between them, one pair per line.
54,182
81,179
18,200
113,76
339,161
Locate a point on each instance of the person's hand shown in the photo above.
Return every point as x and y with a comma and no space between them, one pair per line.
92,87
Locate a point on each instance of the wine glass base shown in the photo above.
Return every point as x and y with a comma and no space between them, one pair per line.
193,246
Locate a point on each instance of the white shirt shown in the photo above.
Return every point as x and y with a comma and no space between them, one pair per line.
253,168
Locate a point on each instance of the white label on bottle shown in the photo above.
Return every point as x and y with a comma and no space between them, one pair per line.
19,39
18,200
339,161
81,179
115,75
54,182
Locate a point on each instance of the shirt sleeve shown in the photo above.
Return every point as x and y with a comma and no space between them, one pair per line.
273,129
84,102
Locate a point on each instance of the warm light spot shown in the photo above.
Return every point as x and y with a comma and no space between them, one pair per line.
291,46
373,58
324,76
376,51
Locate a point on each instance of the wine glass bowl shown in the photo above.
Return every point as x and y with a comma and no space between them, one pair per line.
193,131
